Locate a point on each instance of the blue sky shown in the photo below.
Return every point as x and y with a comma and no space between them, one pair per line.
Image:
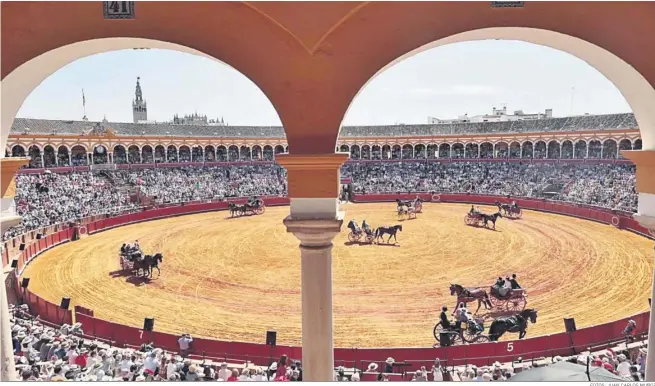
444,82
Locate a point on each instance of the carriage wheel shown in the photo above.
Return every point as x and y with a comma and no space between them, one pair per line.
419,207
481,339
495,302
370,238
519,214
260,210
411,215
468,337
352,237
516,304
467,220
436,330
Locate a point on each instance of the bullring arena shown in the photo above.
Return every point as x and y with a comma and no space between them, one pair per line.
233,279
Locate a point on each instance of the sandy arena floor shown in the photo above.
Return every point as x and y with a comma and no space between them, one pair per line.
234,279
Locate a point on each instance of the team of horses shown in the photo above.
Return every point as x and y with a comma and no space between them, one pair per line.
254,207
137,262
374,234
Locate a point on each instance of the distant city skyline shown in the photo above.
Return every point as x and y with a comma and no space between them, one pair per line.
445,82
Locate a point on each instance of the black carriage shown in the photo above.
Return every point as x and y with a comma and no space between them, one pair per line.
514,212
515,300
471,332
356,233
256,207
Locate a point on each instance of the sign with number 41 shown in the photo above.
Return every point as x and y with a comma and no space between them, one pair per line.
118,9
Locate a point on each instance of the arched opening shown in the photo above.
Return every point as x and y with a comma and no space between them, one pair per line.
355,152
184,154
268,153
386,152
432,151
487,150
99,155
232,153
610,149
580,149
171,154
256,153
444,150
515,150
366,152
376,152
160,154
63,156
36,161
49,159
539,150
133,154
624,144
407,152
457,150
594,149
343,149
210,153
18,151
554,151
221,154
527,150
499,150
19,83
567,149
279,149
196,154
637,145
120,155
471,150
78,156
244,154
147,156
419,151
396,152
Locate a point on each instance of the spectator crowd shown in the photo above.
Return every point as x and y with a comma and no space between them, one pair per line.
51,198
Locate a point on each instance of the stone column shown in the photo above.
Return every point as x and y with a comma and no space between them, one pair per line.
645,162
8,218
313,185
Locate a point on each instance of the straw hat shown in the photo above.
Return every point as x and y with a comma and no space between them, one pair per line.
390,360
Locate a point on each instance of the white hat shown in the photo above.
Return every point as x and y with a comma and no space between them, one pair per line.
273,366
390,360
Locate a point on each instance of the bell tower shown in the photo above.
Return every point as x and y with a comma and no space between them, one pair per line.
139,107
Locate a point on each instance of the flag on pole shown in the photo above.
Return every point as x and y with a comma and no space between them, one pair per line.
83,99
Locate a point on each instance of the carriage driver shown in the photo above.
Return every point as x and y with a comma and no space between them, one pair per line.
252,201
443,318
514,283
366,228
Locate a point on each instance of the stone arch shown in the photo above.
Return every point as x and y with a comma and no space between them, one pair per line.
197,153
184,153
63,155
133,154
355,152
637,145
344,149
100,154
580,149
233,153
444,150
147,155
419,151
210,153
487,150
160,153
267,153
432,151
376,152
49,159
221,153
35,153
515,149
386,151
610,148
78,155
120,154
396,152
527,149
172,153
245,153
554,150
540,150
407,151
279,149
594,150
567,149
366,152
471,150
624,144
257,153
457,150
18,151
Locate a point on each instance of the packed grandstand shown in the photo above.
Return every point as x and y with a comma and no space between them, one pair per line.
80,169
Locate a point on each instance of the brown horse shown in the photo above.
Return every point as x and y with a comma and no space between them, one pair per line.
467,295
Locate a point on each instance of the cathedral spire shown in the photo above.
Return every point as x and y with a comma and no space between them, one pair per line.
138,94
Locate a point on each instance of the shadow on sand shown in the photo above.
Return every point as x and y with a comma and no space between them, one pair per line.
134,280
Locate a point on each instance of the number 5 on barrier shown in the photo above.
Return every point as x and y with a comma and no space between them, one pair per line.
510,346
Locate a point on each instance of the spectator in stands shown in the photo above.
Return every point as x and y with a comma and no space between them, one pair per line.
184,343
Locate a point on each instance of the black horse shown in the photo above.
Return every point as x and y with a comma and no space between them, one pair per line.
148,263
470,294
490,217
236,209
515,323
391,231
504,207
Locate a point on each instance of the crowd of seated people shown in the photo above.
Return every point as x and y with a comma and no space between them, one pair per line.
50,198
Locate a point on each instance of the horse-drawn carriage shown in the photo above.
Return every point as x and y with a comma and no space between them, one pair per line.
471,332
409,208
356,233
479,219
510,210
514,300
136,262
250,208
